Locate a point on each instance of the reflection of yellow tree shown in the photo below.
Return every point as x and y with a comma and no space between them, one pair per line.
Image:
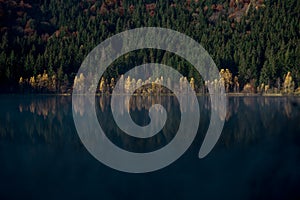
288,108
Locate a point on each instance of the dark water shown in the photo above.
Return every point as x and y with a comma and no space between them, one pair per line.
257,156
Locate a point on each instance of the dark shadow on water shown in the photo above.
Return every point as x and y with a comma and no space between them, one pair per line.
257,156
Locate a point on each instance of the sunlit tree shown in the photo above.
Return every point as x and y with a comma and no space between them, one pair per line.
226,75
102,86
192,83
288,84
127,84
79,82
32,82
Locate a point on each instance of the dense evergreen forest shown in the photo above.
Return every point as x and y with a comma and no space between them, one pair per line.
43,42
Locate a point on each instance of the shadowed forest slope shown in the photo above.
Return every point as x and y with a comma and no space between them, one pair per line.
258,41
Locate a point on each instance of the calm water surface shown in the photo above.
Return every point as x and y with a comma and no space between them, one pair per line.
257,156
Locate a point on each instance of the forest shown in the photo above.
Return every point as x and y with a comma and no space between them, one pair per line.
254,43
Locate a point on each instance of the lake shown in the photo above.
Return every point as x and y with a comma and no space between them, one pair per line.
256,157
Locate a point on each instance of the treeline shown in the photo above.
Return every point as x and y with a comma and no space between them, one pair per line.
43,83
43,42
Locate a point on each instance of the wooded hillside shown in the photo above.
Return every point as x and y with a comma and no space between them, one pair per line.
257,41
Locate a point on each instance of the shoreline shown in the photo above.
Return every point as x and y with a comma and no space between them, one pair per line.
154,95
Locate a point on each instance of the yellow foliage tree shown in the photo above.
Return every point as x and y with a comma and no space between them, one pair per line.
102,86
226,75
192,83
288,84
